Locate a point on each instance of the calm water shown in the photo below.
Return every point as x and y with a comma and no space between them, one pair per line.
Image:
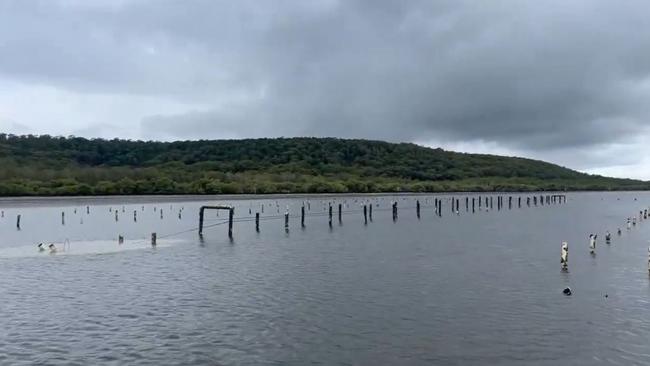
483,288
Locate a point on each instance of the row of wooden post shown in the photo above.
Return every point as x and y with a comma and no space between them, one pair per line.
367,209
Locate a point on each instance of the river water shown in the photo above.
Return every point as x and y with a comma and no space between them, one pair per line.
458,289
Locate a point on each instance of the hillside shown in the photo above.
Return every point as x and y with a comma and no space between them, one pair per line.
45,165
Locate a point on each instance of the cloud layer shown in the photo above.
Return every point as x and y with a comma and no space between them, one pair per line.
561,81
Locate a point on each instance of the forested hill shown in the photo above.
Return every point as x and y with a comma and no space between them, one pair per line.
45,165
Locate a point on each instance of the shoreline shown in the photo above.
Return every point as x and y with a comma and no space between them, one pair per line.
133,199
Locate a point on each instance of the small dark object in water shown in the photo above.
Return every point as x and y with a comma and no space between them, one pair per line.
606,296
567,291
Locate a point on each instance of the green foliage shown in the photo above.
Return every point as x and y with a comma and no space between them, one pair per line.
46,165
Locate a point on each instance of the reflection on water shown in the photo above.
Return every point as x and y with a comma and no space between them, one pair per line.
466,288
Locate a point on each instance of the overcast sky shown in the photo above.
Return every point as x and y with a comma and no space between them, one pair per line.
563,81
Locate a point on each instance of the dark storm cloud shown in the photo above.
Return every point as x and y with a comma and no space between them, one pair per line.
531,76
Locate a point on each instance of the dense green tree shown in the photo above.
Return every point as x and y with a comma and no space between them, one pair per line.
54,165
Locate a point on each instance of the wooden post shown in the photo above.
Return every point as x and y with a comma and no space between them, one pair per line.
201,212
395,211
18,222
62,218
135,216
466,204
116,216
370,212
417,208
153,239
473,205
340,213
365,214
286,221
257,222
302,216
231,214
330,215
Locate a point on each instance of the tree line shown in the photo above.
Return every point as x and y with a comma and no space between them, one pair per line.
54,165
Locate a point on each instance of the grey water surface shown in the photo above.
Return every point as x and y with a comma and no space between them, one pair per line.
461,289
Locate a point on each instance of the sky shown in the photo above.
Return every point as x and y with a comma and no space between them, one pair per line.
562,81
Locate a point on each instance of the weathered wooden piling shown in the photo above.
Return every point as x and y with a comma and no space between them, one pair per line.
340,213
473,205
395,211
370,212
519,200
62,218
135,216
18,222
153,239
231,215
257,222
466,204
302,216
417,208
365,214
330,215
286,221
116,218
479,202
